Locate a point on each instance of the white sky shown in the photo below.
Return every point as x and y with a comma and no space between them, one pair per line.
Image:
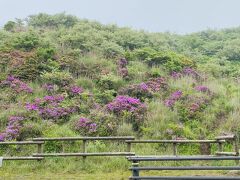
179,16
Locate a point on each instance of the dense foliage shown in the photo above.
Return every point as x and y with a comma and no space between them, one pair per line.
98,80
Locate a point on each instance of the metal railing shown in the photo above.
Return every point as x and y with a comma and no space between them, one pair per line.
137,159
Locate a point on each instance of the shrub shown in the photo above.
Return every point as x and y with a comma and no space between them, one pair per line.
60,78
130,108
140,91
109,82
173,98
26,41
99,123
111,49
104,97
50,107
16,85
170,60
30,130
12,130
85,126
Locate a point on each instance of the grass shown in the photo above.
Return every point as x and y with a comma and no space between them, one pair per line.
102,175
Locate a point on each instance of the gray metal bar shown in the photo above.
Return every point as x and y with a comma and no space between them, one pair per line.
187,168
182,158
186,177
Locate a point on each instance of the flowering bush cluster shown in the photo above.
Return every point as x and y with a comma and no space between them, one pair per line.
196,103
139,91
156,84
130,108
144,90
173,98
75,90
50,107
187,71
202,89
122,67
12,130
16,84
85,126
49,87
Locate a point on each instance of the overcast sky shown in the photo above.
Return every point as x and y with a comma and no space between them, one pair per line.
179,16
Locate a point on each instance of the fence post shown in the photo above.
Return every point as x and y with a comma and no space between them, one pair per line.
63,147
220,146
135,172
174,148
128,147
39,148
84,149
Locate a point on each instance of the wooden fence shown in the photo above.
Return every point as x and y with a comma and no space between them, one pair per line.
84,152
128,140
38,143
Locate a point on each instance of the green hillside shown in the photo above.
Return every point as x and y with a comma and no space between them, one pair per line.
65,76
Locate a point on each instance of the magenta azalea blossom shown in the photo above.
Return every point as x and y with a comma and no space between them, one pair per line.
202,88
173,98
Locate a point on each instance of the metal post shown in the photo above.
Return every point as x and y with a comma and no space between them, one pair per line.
174,149
135,172
84,149
236,148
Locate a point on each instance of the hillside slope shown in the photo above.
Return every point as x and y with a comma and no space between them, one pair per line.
63,76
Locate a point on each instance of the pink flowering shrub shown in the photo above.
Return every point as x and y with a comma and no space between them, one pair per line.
202,89
173,98
50,107
12,130
157,84
85,126
144,90
49,87
99,122
75,90
140,91
187,71
130,108
122,68
16,85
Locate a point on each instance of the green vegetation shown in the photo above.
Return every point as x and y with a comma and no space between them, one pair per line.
64,76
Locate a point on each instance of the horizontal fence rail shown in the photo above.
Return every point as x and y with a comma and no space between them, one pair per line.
175,142
136,169
84,154
21,142
85,138
186,177
11,158
22,158
182,158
